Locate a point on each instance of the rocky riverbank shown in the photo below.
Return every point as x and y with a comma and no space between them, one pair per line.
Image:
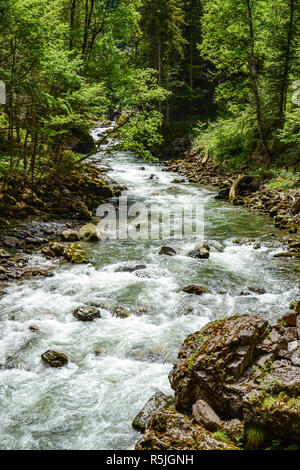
33,219
242,189
237,386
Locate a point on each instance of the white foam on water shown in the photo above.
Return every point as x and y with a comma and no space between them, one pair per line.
116,364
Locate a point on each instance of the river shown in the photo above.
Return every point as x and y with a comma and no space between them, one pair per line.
116,364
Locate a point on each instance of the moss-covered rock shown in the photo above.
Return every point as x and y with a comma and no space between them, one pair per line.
54,358
157,402
75,253
170,430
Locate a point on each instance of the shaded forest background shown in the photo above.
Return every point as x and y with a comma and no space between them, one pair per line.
219,73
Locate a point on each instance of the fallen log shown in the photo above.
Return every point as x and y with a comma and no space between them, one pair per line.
235,187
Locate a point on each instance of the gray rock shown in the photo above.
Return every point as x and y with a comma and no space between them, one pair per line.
54,358
205,416
157,402
166,250
86,314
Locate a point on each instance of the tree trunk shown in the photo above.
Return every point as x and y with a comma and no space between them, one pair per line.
254,81
34,143
72,23
286,68
235,187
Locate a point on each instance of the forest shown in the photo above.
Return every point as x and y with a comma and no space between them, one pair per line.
221,73
150,227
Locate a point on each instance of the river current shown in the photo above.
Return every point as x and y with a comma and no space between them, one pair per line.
116,364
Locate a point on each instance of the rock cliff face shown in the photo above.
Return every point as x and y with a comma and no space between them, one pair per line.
236,381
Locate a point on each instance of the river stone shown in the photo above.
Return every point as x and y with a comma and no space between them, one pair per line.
86,314
53,250
54,359
196,290
201,251
157,402
166,250
4,254
69,235
121,312
131,267
75,253
89,233
205,416
290,319
170,430
11,242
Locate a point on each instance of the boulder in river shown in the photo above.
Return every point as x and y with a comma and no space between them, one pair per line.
201,251
89,233
86,313
196,290
69,235
54,358
156,402
167,250
75,253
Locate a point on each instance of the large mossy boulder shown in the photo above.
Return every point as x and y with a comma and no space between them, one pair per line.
245,369
83,141
157,402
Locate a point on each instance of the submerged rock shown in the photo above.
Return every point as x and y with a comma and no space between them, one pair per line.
196,290
157,402
121,312
86,313
166,250
54,358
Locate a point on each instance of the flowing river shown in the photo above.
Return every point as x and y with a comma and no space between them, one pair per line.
116,364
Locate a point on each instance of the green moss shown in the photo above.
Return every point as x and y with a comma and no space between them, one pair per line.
221,436
255,437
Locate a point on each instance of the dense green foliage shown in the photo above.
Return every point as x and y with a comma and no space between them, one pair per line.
222,68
